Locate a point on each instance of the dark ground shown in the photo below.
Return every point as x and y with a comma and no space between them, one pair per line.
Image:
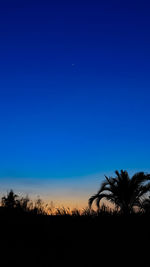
75,241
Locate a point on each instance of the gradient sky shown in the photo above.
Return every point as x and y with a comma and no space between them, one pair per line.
74,94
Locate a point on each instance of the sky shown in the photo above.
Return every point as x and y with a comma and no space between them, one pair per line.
74,95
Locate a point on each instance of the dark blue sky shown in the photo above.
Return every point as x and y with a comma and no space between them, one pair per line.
74,88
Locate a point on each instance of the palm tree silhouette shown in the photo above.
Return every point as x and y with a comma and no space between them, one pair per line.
124,192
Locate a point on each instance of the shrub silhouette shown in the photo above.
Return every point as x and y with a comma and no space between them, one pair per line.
122,191
23,204
13,203
10,201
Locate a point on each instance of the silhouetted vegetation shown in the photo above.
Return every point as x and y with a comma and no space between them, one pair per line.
38,234
12,203
125,193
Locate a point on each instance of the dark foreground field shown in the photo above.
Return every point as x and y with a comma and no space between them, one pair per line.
75,241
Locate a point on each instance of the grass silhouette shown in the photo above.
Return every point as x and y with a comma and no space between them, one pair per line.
32,235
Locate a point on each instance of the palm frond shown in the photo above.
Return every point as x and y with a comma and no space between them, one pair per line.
99,198
144,189
124,192
139,178
91,199
103,187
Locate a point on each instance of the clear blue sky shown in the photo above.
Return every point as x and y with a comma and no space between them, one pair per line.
74,88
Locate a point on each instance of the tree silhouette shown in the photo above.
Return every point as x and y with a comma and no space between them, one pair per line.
9,201
122,191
